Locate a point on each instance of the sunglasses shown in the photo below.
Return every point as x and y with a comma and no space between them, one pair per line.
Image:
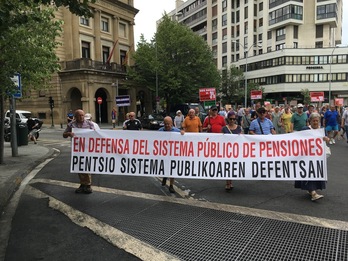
232,119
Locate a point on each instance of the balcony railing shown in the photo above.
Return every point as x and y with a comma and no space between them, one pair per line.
85,63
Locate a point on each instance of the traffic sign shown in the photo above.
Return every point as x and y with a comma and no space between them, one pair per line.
207,94
17,81
123,100
317,96
255,95
99,100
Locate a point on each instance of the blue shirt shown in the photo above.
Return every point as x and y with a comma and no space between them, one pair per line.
266,125
331,118
174,129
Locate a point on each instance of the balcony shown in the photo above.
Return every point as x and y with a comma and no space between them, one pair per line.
85,63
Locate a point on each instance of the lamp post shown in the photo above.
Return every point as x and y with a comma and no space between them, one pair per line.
246,51
330,80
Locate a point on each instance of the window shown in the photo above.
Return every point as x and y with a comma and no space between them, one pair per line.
319,44
86,49
319,29
260,37
245,27
269,35
224,5
295,32
224,47
123,55
224,20
214,11
122,30
261,6
224,61
84,21
106,52
224,34
214,24
237,17
260,22
105,24
280,34
246,12
295,45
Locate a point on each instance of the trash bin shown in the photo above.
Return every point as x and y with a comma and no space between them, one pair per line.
22,134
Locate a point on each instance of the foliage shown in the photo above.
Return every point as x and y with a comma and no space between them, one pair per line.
28,44
182,60
230,89
306,96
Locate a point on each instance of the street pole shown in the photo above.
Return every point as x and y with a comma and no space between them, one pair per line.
157,98
330,81
246,51
245,78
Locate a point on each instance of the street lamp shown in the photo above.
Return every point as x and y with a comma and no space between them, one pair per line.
246,51
331,56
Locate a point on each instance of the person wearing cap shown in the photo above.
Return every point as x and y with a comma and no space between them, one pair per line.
214,122
88,117
261,125
178,120
298,119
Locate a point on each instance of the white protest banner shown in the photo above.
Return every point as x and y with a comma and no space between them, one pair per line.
293,156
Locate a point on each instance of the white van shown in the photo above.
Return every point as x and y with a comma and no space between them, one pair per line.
21,116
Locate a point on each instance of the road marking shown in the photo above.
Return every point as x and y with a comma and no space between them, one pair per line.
114,236
281,216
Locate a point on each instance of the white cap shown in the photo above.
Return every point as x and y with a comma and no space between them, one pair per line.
300,105
88,116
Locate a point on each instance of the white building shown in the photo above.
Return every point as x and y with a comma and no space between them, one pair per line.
291,45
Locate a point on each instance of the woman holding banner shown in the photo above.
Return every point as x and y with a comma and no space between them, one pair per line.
231,128
313,186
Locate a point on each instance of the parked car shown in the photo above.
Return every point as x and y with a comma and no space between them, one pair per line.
152,121
21,116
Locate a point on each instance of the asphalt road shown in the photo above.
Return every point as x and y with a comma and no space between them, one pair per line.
40,232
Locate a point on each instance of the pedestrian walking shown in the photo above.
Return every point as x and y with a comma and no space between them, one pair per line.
178,120
298,119
132,123
168,126
231,128
192,123
313,186
261,125
331,123
80,122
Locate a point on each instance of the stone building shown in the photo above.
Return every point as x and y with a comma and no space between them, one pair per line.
93,56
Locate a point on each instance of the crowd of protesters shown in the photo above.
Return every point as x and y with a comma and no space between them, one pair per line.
256,120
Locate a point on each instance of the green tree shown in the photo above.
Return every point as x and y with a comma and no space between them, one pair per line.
28,43
230,90
306,96
181,59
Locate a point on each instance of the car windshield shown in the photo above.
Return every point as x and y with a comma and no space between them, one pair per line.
156,117
26,115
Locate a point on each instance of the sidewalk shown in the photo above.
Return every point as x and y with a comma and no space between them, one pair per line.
15,169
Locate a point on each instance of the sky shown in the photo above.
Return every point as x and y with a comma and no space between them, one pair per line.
152,10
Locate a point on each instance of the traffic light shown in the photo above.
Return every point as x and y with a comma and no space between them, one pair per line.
51,102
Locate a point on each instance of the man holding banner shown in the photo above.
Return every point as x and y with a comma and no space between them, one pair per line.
80,122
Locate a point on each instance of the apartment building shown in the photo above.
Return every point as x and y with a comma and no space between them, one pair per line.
93,56
287,45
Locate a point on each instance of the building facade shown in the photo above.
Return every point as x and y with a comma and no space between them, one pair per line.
93,55
287,45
